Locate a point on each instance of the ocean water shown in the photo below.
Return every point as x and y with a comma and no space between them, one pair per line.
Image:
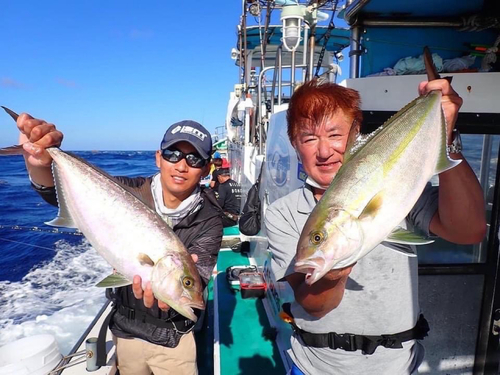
47,280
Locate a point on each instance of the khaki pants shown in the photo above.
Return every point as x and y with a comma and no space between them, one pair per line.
137,357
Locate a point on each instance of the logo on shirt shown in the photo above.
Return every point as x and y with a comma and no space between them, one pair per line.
189,130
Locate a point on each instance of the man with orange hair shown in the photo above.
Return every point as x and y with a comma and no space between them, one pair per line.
375,328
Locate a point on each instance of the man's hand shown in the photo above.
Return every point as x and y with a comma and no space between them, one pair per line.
37,135
450,101
342,274
147,294
324,295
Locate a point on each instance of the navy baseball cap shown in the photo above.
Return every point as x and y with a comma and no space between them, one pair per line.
189,131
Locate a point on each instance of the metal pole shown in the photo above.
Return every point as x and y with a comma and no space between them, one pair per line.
354,54
312,44
304,51
277,67
244,26
280,77
292,75
484,173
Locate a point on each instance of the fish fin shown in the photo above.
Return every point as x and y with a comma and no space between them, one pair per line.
373,206
63,218
12,150
430,68
444,162
145,260
113,281
406,237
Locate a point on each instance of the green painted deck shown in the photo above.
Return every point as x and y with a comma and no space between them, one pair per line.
243,328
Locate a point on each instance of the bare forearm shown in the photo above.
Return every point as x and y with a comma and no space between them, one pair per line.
321,297
461,210
41,175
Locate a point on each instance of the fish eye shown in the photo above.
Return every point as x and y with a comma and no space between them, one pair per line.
317,237
187,282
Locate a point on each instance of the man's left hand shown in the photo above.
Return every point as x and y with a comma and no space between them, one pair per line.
450,101
147,294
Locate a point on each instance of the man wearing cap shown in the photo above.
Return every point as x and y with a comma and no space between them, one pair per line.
150,337
228,195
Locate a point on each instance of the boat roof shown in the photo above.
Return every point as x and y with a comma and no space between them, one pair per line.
399,29
338,40
417,8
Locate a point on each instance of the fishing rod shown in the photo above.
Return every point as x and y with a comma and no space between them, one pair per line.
36,229
41,230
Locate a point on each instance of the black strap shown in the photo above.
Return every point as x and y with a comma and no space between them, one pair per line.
179,323
101,354
367,344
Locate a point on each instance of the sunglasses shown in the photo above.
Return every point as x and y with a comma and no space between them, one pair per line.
175,156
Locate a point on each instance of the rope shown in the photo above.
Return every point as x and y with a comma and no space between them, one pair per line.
24,243
331,26
35,229
490,57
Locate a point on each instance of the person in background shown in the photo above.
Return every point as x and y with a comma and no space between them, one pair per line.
228,195
375,328
150,337
217,163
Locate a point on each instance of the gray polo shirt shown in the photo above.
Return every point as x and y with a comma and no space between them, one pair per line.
381,294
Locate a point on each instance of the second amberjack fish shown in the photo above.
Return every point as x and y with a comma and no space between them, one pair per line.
375,189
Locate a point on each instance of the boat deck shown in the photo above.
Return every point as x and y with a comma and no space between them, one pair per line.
236,337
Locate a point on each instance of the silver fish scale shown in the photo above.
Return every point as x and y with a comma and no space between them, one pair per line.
393,167
115,222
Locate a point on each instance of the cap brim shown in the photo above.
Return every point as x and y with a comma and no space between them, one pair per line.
172,142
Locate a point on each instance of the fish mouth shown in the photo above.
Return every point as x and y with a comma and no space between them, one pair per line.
314,269
185,308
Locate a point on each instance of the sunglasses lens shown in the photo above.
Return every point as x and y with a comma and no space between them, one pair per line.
174,156
195,161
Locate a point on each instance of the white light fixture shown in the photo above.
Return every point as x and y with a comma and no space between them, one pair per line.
235,54
254,9
291,18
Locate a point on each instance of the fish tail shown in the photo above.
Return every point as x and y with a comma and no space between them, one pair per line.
444,162
430,68
12,150
11,113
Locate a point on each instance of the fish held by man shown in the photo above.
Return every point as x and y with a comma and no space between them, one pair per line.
129,235
378,184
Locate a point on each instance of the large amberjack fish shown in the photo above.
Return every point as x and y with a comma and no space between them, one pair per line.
375,189
132,238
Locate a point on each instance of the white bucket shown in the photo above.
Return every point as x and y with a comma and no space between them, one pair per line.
35,355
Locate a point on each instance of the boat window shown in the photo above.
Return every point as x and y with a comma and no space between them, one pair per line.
481,151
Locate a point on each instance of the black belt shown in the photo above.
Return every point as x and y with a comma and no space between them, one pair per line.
179,323
367,344
234,217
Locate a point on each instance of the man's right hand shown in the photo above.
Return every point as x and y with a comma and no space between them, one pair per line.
37,135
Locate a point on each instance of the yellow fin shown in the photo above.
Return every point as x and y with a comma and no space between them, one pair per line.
145,260
114,280
373,206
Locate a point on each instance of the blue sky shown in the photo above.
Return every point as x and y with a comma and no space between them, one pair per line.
116,74
113,75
